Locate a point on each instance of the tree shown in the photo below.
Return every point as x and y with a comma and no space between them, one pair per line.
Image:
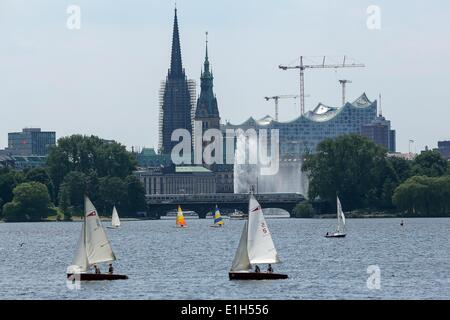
136,195
8,181
112,192
429,163
41,175
401,166
426,196
74,187
89,155
350,166
31,202
304,210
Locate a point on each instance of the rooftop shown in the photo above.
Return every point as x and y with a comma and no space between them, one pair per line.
191,169
321,113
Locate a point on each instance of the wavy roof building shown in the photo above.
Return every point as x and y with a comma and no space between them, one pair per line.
304,133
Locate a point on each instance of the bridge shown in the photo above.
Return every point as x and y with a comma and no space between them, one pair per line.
160,204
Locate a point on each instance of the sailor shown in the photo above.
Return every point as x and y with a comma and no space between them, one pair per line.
257,270
111,269
269,269
97,269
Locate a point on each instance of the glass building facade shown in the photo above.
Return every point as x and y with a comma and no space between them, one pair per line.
30,142
303,134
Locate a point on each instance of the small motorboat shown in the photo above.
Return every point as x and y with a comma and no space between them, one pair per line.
335,235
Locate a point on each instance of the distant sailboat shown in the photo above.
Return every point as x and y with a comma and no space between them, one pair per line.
93,247
340,230
115,221
180,222
255,247
218,220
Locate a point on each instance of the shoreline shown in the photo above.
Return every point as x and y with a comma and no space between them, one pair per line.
374,215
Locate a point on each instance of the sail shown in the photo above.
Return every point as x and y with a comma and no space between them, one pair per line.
260,246
340,215
217,217
98,248
115,221
241,261
180,218
80,262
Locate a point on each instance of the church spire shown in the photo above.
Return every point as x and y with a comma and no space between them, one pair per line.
207,103
176,66
206,63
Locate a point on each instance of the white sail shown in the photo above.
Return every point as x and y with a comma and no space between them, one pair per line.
340,215
260,246
80,262
241,261
115,221
98,248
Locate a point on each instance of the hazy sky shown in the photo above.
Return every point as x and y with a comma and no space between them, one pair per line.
104,78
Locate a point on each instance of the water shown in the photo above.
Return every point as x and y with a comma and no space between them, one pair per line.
164,262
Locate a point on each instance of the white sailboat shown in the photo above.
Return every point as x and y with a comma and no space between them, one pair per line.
115,221
255,247
93,248
340,229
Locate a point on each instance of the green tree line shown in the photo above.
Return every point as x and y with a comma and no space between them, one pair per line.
365,177
78,165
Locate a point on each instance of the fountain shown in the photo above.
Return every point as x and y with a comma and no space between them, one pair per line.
288,179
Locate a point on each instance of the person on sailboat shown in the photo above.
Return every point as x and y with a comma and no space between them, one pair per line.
257,270
111,269
97,269
269,268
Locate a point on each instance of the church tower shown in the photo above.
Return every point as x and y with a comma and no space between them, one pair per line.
207,111
177,97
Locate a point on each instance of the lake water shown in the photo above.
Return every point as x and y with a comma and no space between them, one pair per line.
164,262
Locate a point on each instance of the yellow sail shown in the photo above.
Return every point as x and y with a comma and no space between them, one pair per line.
218,220
181,222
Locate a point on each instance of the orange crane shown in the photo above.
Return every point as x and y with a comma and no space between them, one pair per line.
302,67
276,98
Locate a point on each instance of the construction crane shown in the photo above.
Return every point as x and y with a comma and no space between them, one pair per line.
343,83
324,65
276,98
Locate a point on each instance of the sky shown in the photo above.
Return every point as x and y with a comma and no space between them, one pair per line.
104,78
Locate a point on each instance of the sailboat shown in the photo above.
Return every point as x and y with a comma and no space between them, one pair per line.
180,222
255,247
115,221
218,220
93,248
340,230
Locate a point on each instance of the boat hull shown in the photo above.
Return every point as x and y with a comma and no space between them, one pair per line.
96,277
256,276
109,227
338,235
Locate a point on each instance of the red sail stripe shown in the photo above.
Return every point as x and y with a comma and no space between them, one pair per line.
93,213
